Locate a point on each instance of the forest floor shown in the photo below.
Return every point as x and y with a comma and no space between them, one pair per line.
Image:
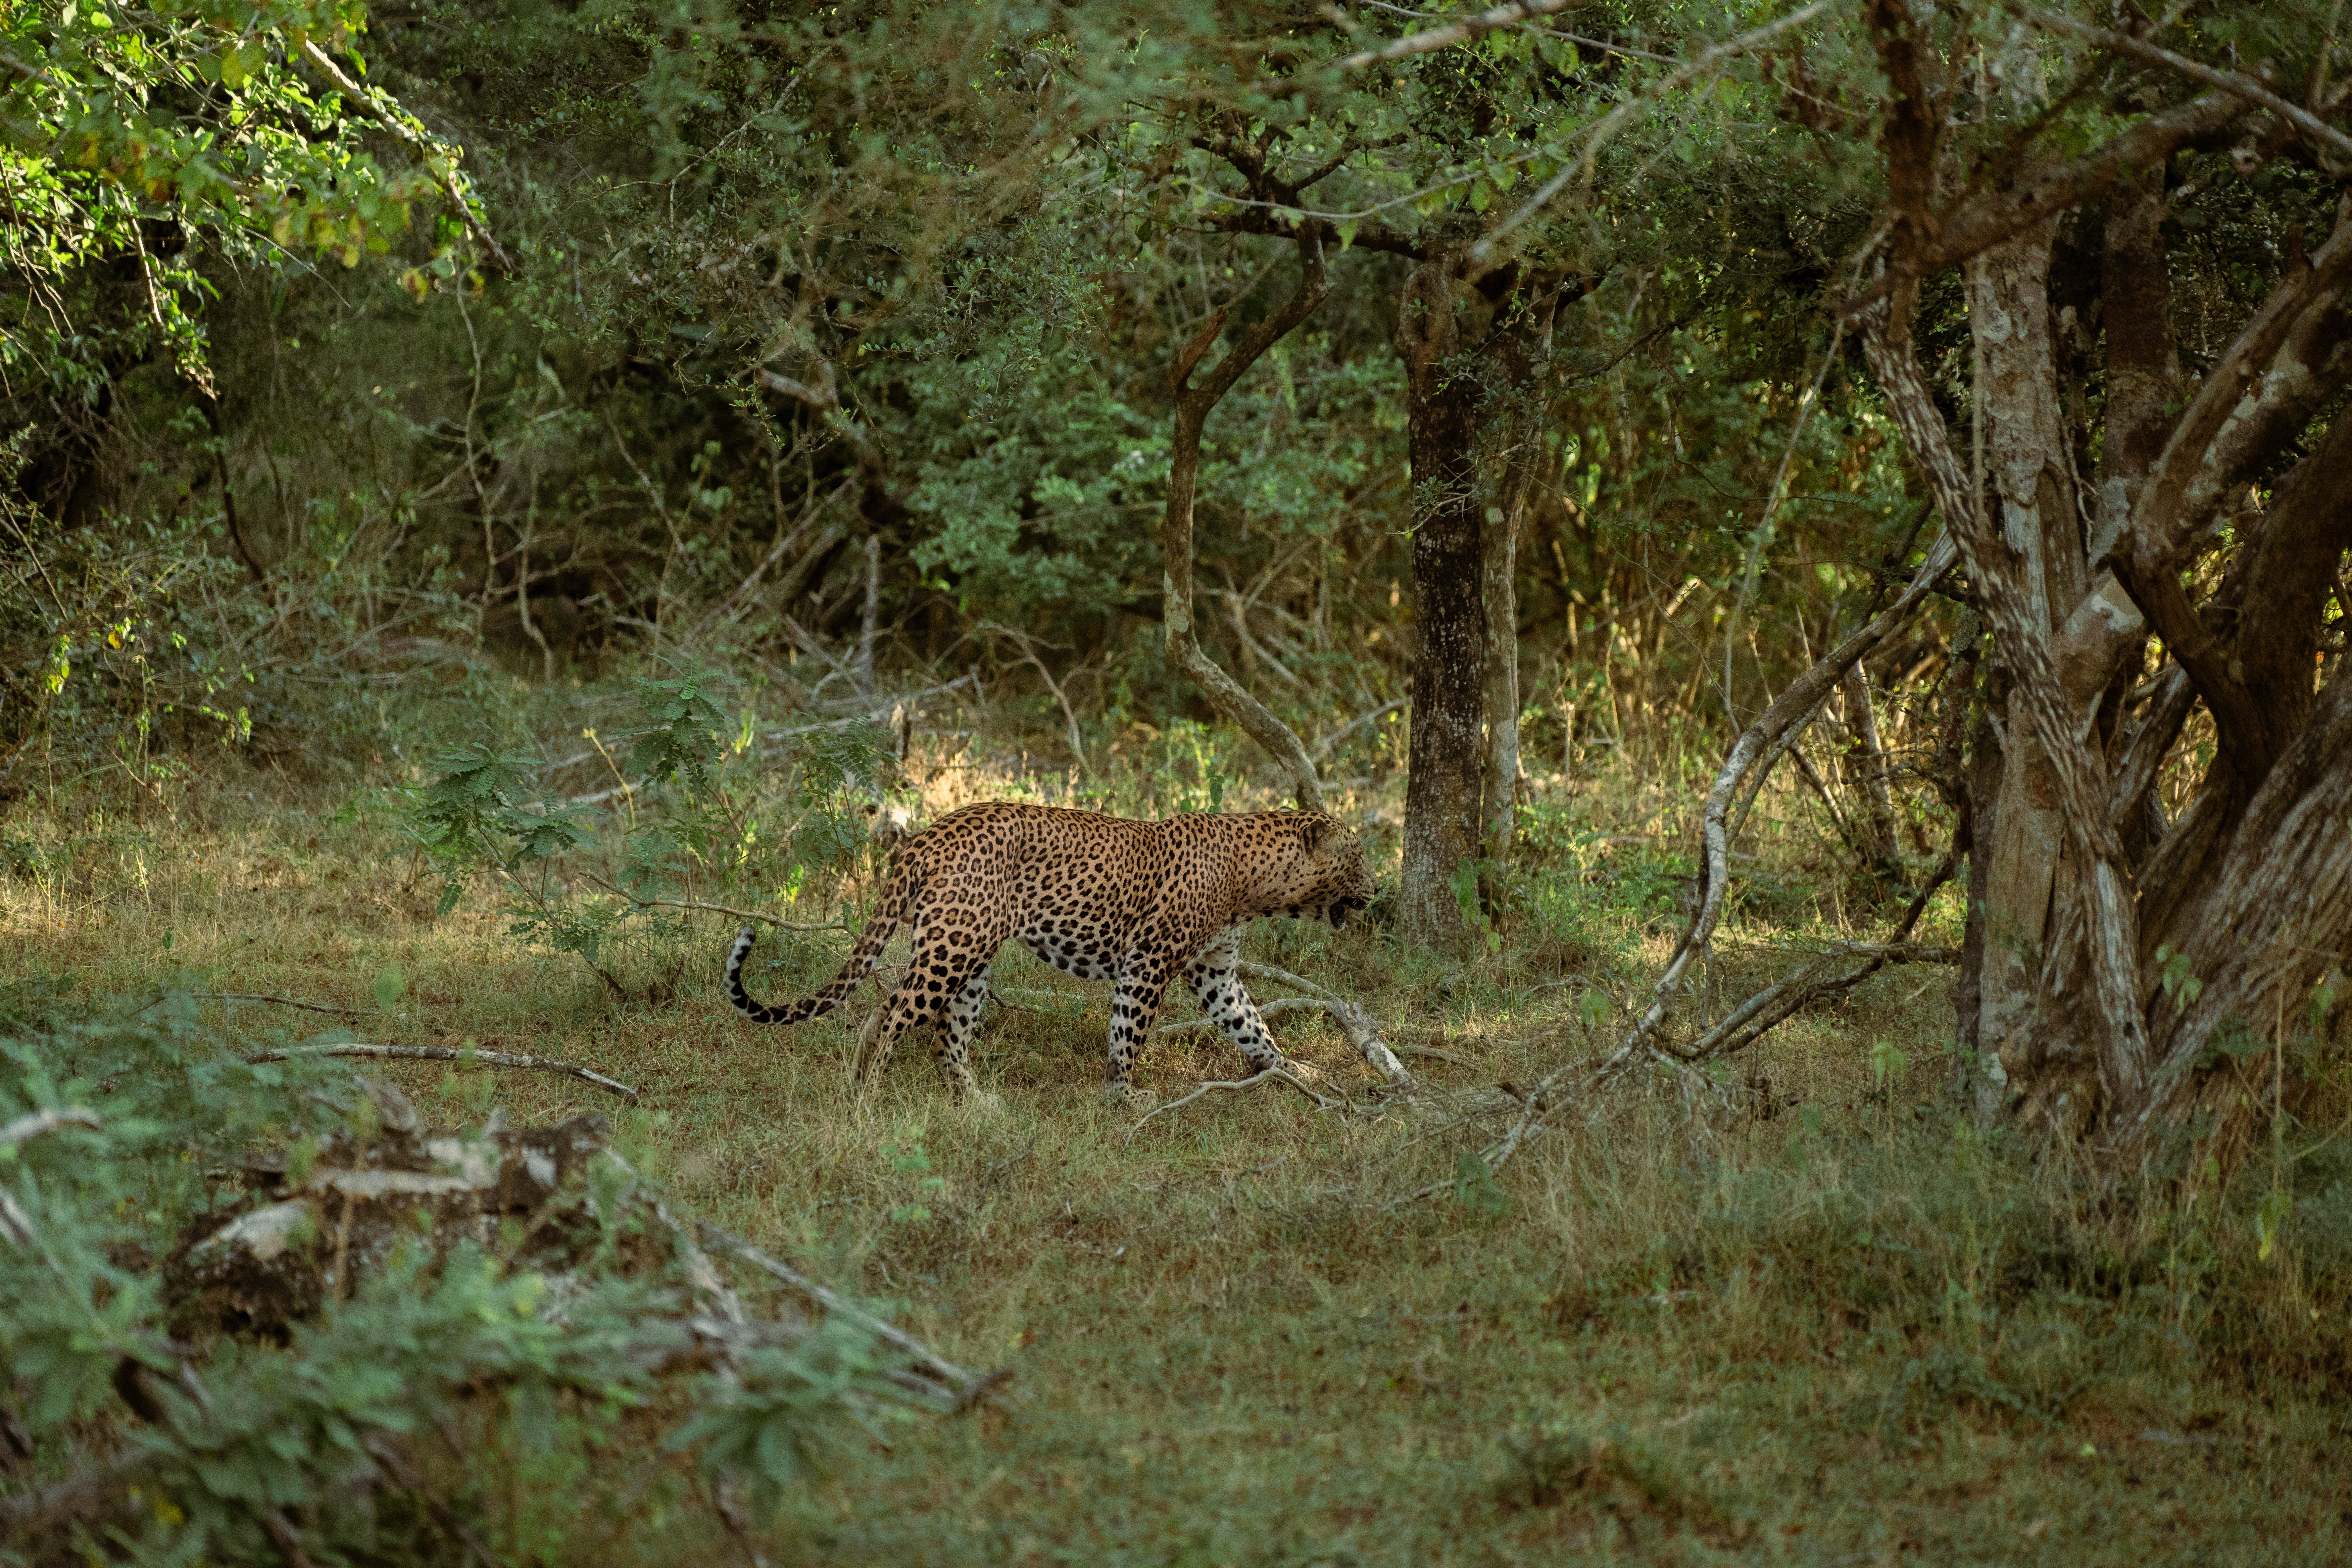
1842,1325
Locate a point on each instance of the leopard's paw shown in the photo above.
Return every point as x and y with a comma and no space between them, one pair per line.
1127,1097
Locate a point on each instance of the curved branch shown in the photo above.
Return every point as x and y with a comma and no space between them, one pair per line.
1762,742
1193,404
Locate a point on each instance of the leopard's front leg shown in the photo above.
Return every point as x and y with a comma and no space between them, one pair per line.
1215,979
1215,975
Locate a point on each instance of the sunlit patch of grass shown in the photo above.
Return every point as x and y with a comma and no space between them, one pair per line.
1845,1324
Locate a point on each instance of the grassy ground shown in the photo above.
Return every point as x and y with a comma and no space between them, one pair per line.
1844,1326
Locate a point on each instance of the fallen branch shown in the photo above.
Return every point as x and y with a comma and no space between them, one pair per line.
1353,1021
447,1054
713,909
279,1001
1322,1101
965,1386
40,1121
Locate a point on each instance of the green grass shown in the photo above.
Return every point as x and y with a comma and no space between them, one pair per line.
1845,1325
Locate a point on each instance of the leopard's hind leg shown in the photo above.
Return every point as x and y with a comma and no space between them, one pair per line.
954,1052
943,973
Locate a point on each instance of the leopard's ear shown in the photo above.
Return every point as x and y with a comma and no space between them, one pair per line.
1312,830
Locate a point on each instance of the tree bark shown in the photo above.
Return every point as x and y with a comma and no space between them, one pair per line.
2107,924
2017,392
1865,776
1500,568
1442,791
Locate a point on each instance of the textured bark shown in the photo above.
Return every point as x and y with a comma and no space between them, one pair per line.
2279,917
2024,445
1441,792
2107,922
1865,776
2143,359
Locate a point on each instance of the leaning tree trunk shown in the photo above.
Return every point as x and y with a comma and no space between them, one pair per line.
1442,827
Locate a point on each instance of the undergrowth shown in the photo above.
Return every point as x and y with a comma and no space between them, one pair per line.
1843,1321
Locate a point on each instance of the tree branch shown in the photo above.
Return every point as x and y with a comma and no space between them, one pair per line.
1193,406
416,138
2234,83
445,1054
1452,33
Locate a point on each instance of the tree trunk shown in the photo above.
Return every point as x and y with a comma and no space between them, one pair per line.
2030,495
1442,830
1499,568
1865,778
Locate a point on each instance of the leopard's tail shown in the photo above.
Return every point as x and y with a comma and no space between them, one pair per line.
894,909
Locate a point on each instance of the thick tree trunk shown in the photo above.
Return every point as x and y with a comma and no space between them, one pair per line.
1442,829
2025,845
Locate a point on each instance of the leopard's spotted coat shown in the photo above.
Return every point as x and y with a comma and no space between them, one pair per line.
1100,897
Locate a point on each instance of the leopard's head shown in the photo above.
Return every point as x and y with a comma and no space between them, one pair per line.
1325,875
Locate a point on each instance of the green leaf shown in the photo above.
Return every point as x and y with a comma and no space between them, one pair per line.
2270,1219
1475,1189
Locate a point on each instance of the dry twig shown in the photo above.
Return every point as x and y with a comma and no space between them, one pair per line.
447,1054
1322,1101
713,909
279,1001
963,1386
1353,1021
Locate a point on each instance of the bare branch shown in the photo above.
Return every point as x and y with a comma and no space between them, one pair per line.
2047,189
50,1120
1256,1079
1452,33
2236,84
392,122
447,1054
966,1386
281,1001
1795,707
714,909
1193,404
1323,747
1702,64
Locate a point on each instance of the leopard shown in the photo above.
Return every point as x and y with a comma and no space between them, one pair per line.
1101,898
